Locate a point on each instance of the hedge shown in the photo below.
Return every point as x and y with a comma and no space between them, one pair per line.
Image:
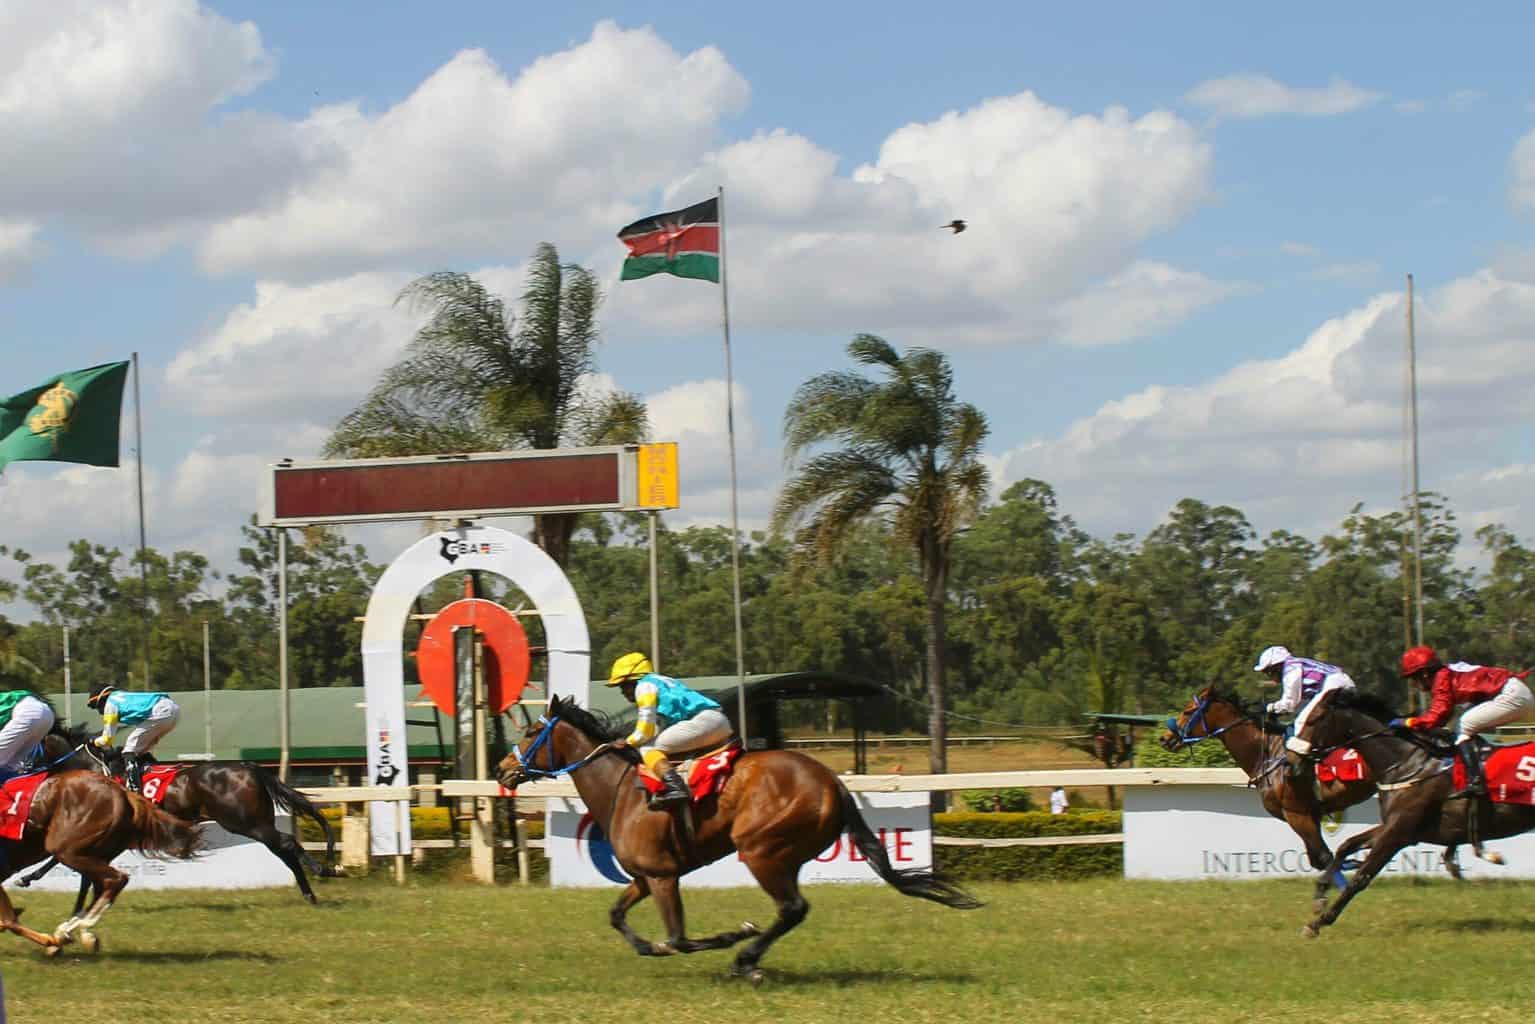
1018,863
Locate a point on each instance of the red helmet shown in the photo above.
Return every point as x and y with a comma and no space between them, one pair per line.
1417,659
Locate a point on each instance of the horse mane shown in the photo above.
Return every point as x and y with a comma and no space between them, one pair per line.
76,734
1364,702
596,725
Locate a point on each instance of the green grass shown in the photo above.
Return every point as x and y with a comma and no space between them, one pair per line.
1107,950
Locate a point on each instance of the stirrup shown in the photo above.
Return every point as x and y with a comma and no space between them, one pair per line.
669,798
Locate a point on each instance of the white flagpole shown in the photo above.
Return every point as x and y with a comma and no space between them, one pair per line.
735,522
138,425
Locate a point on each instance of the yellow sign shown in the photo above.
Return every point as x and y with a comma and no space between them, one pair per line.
658,475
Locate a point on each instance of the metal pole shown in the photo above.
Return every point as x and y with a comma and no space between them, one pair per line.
1417,514
207,695
282,653
138,427
735,522
655,601
67,690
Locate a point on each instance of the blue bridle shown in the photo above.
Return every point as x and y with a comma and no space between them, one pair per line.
532,771
1201,704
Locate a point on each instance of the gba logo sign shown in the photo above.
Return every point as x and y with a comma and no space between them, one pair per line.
388,771
453,547
595,848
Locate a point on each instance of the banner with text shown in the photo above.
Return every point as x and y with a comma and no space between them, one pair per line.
581,856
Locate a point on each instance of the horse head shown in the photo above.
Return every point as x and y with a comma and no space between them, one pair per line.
70,748
564,739
1207,714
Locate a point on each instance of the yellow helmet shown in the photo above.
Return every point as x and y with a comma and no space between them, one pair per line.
630,666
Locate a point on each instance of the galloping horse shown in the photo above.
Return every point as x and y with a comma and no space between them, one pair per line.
1211,714
84,820
778,809
240,796
1414,785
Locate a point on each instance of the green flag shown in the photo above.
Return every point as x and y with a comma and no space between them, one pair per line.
73,417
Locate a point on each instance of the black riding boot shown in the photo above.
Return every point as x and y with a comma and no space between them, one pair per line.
675,791
1471,757
133,775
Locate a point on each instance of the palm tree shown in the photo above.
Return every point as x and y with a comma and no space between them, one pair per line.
909,454
473,379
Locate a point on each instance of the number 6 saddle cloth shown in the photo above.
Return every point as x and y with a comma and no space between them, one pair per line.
705,773
156,781
1509,771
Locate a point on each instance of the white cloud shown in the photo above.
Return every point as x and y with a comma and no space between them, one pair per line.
1144,300
1522,170
1054,202
295,350
1296,441
474,159
108,118
18,248
1253,95
693,415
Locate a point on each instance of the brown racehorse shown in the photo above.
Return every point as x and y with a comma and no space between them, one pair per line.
85,820
778,809
1211,714
1415,785
242,797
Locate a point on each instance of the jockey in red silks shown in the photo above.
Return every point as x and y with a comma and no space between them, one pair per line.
1304,681
1496,696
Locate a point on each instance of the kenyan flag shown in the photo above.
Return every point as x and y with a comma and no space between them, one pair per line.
685,243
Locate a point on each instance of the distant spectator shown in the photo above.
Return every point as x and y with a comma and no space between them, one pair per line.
1058,802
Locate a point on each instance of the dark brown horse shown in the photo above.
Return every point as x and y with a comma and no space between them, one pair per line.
241,796
84,820
1415,785
778,810
1211,714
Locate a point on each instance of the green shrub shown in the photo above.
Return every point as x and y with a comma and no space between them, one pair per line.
998,800
1204,754
1017,863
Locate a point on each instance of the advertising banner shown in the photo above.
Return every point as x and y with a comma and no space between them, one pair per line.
1223,832
228,862
581,856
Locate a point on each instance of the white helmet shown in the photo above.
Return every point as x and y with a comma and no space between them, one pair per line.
1272,656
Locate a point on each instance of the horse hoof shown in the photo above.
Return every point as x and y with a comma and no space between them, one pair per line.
89,942
756,977
1495,858
1319,904
750,928
51,951
1310,931
661,949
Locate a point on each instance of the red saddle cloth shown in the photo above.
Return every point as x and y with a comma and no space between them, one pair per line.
156,782
16,803
1344,765
1510,774
705,775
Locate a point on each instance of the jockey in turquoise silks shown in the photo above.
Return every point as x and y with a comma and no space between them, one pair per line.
151,715
673,719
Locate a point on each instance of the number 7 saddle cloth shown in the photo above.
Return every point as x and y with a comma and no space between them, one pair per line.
705,773
1509,771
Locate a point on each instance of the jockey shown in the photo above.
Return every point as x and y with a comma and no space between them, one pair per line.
25,719
1498,695
1304,681
672,720
152,716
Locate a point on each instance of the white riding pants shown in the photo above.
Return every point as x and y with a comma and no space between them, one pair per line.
30,721
1333,682
1511,704
705,729
162,719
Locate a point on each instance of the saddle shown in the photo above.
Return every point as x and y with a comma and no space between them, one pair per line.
705,771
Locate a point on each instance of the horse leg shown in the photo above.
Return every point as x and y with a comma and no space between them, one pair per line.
636,891
272,839
1384,847
26,880
782,884
10,921
1333,874
668,897
109,882
1309,827
1451,861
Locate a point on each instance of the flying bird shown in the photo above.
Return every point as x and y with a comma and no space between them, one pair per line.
955,225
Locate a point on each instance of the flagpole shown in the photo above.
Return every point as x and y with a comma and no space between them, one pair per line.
138,429
735,522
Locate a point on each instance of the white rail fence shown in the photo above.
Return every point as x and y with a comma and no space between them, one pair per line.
355,800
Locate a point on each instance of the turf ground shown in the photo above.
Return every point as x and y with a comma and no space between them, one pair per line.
1107,951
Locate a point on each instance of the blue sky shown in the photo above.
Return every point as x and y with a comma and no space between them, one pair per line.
1189,230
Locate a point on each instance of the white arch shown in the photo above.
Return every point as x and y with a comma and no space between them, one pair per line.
475,547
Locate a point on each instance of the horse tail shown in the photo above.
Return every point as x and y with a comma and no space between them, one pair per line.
283,795
156,832
911,881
